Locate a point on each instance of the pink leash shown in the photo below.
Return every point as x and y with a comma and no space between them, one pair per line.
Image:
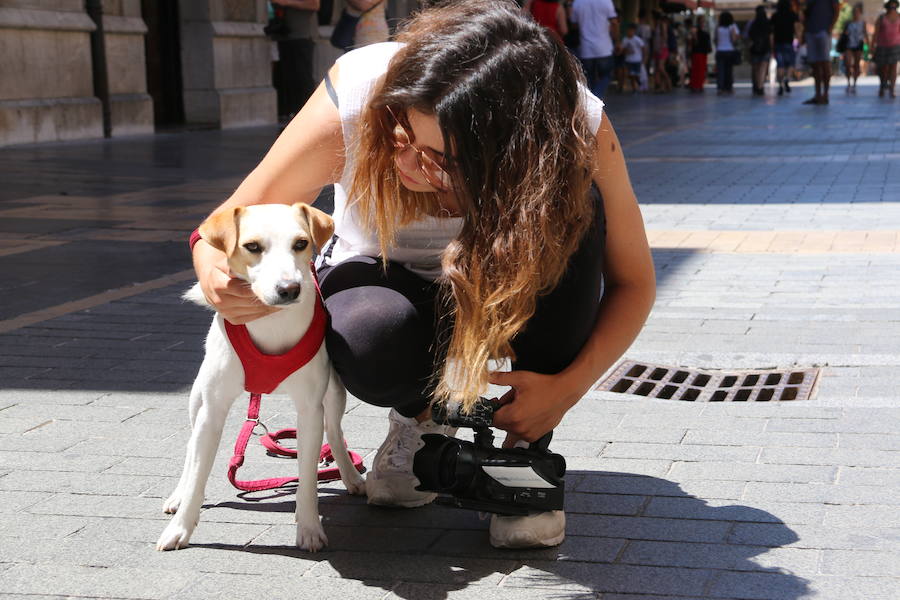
328,472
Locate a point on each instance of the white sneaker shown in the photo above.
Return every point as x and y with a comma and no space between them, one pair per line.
391,481
538,530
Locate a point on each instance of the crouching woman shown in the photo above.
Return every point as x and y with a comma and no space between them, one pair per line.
483,211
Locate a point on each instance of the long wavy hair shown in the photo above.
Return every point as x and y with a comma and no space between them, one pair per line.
507,99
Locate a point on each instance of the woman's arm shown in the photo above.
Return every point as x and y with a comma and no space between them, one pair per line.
629,290
308,155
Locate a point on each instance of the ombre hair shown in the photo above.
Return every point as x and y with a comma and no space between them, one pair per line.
508,100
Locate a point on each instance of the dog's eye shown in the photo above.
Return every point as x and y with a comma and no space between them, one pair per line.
300,245
252,247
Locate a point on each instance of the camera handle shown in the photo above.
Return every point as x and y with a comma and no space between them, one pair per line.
543,444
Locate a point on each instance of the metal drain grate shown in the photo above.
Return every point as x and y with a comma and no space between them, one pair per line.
695,385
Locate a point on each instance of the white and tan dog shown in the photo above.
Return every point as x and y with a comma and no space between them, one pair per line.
270,247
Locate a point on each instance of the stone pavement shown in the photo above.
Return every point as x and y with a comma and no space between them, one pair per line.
774,228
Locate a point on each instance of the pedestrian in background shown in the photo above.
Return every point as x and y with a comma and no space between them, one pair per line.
633,51
296,44
759,35
727,36
818,22
598,25
784,30
661,81
645,32
887,47
550,14
701,46
856,39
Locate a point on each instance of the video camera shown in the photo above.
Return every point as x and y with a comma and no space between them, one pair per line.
478,476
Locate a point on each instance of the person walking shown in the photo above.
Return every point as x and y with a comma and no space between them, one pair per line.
550,14
857,38
818,22
727,36
760,34
598,26
887,47
296,51
701,46
483,212
633,51
661,81
784,30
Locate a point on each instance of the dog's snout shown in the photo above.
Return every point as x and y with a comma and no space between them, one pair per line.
288,292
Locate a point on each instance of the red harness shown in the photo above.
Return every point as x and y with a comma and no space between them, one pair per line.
262,374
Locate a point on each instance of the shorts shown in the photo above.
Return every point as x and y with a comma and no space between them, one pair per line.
634,68
662,54
785,55
887,55
818,47
759,58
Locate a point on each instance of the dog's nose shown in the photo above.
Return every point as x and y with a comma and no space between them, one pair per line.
288,292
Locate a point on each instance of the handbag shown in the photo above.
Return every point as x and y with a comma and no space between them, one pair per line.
344,34
843,42
277,26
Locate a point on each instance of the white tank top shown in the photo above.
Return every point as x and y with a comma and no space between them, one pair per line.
419,245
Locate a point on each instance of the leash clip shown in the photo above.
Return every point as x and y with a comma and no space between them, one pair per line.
257,423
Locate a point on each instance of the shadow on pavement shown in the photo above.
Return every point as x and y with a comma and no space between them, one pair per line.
695,550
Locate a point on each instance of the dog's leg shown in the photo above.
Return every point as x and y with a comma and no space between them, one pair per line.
310,421
170,506
208,424
335,404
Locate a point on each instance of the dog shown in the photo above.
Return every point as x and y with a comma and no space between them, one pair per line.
270,247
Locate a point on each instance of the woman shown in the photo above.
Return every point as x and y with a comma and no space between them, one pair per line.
856,40
701,46
784,30
661,81
760,49
727,35
550,14
466,230
887,47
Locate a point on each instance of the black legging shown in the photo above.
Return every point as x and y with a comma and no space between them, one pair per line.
384,325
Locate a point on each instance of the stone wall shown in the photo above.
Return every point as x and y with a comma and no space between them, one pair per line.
47,80
226,63
130,105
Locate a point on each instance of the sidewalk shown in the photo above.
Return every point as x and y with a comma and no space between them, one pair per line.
775,233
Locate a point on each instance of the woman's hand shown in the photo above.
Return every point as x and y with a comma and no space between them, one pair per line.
535,404
230,296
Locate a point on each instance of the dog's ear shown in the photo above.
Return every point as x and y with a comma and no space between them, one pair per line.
320,224
220,230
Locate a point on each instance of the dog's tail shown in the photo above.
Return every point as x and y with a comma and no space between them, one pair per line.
195,295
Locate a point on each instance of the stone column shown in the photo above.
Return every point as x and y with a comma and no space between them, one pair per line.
226,63
124,29
46,84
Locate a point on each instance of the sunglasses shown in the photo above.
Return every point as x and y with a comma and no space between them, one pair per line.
432,170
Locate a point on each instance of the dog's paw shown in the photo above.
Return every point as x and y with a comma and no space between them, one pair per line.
311,536
356,485
175,536
170,506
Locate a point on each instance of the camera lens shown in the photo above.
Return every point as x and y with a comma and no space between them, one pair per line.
444,464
